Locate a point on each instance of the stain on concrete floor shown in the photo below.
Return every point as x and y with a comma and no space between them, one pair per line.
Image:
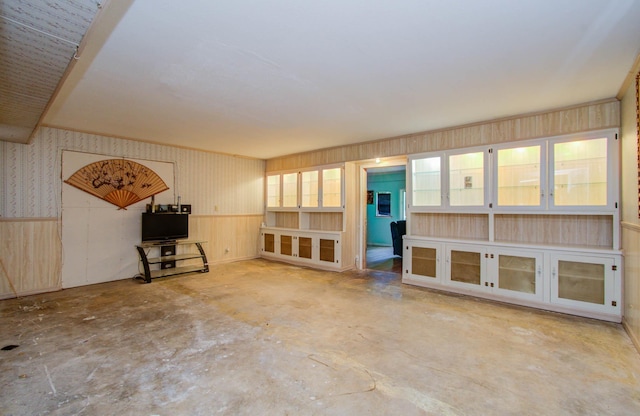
259,337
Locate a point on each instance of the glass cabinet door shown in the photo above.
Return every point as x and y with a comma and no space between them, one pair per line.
273,191
466,265
426,182
332,188
290,190
328,250
580,173
520,176
268,242
466,179
310,189
424,261
305,248
286,245
588,282
517,273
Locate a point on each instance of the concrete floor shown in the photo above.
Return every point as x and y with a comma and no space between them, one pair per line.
259,337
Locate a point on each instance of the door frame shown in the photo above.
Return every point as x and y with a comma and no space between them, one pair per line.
361,216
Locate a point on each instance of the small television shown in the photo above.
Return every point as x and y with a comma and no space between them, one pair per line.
164,227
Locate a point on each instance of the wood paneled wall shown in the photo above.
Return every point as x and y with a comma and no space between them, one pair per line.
592,116
631,244
228,237
30,256
467,226
325,221
31,250
564,230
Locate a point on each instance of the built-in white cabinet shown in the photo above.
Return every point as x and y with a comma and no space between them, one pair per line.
532,222
315,189
541,277
305,217
570,173
444,180
319,249
555,174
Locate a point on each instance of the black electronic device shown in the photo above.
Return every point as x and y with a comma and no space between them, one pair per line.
164,227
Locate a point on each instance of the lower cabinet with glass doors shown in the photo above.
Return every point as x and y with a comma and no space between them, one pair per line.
582,282
319,249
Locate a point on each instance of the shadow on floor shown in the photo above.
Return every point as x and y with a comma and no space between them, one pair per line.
383,259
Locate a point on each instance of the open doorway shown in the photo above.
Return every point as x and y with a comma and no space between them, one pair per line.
385,205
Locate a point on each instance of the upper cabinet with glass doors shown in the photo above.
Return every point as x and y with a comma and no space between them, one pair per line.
568,173
559,174
319,188
519,176
282,190
322,188
449,180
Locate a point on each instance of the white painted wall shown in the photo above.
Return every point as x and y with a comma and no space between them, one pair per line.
98,238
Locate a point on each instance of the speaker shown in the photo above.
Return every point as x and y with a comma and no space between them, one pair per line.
185,209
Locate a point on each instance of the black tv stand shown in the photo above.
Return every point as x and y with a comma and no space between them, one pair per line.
165,263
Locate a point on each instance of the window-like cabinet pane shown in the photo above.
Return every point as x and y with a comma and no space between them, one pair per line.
310,189
517,273
426,182
273,191
466,267
286,245
269,243
290,190
580,173
305,247
424,261
466,179
581,281
327,250
519,176
332,188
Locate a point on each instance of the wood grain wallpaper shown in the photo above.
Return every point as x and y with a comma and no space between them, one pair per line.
214,184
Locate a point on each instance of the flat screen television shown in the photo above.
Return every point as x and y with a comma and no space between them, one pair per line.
164,227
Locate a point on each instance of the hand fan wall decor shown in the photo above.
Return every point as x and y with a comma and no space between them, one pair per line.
118,181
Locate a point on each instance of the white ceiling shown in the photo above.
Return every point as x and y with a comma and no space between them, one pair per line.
263,78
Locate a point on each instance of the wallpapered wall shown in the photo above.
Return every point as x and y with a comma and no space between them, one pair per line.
214,184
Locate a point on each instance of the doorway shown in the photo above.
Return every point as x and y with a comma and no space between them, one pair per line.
383,187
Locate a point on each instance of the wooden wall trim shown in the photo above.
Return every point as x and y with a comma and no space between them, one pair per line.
630,226
227,215
574,119
27,219
634,340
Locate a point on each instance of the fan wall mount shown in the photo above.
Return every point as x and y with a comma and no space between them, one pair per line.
120,182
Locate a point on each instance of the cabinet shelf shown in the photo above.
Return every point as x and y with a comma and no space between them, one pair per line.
167,262
176,270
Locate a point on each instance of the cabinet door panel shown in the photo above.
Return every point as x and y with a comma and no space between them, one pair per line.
466,266
426,182
580,173
269,242
589,283
517,273
424,261
286,245
327,250
519,176
580,281
305,248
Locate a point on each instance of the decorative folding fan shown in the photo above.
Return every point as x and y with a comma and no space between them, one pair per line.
118,181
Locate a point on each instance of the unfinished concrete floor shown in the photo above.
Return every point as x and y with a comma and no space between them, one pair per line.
258,337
